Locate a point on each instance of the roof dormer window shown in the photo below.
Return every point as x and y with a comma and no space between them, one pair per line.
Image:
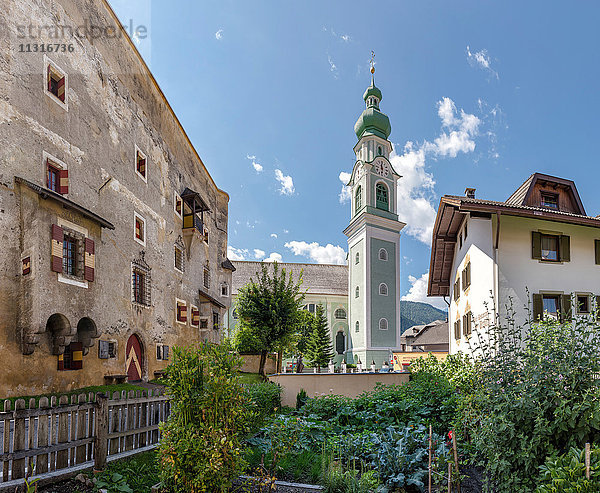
549,200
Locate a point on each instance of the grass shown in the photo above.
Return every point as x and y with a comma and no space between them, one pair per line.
140,472
249,378
84,390
304,467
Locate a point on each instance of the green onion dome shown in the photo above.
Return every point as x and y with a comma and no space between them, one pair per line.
372,121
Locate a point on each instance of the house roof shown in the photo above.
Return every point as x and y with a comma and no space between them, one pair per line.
46,193
421,335
324,279
453,209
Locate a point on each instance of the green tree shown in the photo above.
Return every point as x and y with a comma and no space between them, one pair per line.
269,308
319,350
304,328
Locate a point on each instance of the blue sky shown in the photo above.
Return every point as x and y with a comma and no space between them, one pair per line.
480,94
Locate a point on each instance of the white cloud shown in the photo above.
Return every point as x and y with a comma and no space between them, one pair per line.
287,183
274,257
219,34
332,66
237,253
286,231
328,254
258,253
345,194
461,130
416,187
482,60
257,166
418,292
273,235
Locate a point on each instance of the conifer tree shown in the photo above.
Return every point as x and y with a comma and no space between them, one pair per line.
320,349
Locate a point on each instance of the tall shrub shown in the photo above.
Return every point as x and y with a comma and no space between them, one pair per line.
319,350
200,447
538,397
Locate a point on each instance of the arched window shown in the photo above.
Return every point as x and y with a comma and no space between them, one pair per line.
358,198
383,324
381,197
234,314
383,289
340,314
357,292
379,151
340,343
356,327
383,254
357,258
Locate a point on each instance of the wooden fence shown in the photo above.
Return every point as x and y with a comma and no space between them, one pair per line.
57,438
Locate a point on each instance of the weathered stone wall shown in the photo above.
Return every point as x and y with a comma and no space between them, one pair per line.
113,105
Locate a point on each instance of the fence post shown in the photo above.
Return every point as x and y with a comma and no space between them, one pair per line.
101,442
587,460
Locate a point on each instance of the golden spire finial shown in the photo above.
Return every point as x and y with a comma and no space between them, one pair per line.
372,62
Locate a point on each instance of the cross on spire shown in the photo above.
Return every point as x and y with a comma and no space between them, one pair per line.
372,62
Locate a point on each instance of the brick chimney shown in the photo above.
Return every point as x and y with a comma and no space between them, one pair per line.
470,193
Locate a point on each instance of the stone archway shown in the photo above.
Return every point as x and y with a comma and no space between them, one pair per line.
87,333
59,328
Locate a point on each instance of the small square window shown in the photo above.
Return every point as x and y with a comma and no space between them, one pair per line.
178,205
549,200
204,323
195,319
56,175
551,305
550,247
56,83
206,277
141,164
583,303
139,230
181,312
225,290
107,349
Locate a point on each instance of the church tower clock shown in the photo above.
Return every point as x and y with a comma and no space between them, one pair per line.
373,240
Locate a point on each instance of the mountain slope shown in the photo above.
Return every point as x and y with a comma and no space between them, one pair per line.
416,313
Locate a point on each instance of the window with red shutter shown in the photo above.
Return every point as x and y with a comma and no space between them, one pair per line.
89,263
57,248
56,82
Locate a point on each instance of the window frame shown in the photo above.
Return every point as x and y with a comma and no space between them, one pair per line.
357,258
357,326
48,160
357,292
385,323
385,289
556,297
226,293
191,317
545,195
385,256
51,66
145,291
137,216
358,198
144,176
383,186
339,311
556,238
181,303
587,296
177,199
178,248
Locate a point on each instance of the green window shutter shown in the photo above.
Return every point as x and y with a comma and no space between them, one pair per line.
538,307
565,307
565,249
597,251
536,245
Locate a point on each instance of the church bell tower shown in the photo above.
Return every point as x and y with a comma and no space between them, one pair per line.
373,240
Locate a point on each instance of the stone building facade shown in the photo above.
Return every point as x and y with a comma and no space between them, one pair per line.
114,234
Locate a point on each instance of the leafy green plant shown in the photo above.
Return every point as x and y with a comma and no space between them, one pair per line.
338,479
301,399
400,456
265,398
113,482
319,350
200,448
566,473
537,397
